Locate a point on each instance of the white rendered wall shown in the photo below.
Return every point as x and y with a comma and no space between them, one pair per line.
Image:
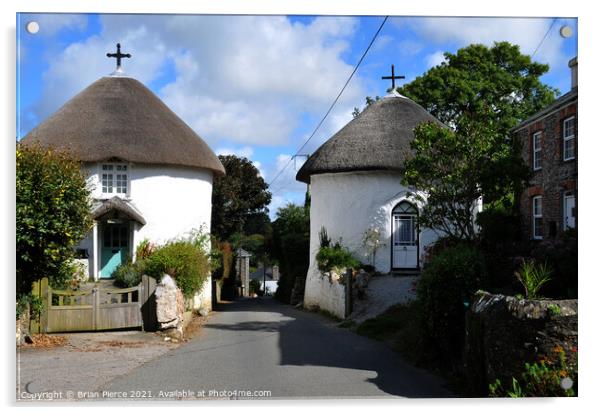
172,200
348,204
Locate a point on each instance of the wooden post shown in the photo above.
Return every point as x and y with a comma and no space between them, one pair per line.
348,292
95,307
34,324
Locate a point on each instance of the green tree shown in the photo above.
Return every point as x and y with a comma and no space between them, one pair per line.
479,93
238,196
52,214
290,247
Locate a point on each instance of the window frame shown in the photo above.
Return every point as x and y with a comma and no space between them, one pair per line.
566,139
117,169
539,135
535,216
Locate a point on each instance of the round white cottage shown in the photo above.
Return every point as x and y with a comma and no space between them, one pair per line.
150,175
355,180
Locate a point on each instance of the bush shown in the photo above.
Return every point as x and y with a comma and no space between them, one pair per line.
254,287
335,257
186,262
499,227
52,215
144,249
552,376
129,274
561,255
444,291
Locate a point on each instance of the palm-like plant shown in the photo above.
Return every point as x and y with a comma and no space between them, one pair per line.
533,276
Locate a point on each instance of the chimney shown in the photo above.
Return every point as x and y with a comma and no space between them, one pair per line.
573,66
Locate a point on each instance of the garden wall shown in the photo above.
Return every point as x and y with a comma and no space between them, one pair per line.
503,333
326,294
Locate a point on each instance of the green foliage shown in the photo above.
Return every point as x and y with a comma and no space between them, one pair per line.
52,215
254,286
144,249
479,93
499,226
240,195
35,304
554,309
444,291
290,247
551,376
186,262
561,254
323,237
533,276
129,274
335,258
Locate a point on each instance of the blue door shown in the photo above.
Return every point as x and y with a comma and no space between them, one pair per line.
115,248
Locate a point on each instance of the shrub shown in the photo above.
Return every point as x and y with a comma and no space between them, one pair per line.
533,276
52,215
144,249
499,226
129,274
335,257
186,262
561,255
551,376
254,286
444,292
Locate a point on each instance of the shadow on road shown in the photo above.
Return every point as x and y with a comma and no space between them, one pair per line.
309,339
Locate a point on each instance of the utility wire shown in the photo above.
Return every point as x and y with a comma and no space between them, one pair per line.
544,37
333,103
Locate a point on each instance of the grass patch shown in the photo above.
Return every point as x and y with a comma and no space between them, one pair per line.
400,328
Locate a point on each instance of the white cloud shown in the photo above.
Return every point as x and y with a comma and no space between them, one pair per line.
245,151
435,58
245,79
525,32
52,23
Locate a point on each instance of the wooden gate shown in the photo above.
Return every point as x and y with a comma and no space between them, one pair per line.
95,309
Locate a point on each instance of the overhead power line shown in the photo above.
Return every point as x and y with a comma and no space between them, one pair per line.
544,37
333,103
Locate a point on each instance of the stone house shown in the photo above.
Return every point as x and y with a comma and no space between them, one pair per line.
548,142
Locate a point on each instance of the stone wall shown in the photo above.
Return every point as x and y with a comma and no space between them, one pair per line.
503,333
556,176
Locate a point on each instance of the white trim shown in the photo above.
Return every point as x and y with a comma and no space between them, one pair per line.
566,196
537,216
114,172
537,134
565,138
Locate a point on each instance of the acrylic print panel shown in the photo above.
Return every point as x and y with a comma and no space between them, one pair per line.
171,168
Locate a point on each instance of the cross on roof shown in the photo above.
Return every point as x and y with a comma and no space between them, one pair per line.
393,77
118,55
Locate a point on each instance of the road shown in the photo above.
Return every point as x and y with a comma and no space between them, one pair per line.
258,345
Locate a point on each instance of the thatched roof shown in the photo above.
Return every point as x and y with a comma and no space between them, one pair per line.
117,204
118,117
378,139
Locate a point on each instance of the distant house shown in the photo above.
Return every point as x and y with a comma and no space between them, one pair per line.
549,146
150,174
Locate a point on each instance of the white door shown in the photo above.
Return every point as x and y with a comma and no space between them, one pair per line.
569,211
405,249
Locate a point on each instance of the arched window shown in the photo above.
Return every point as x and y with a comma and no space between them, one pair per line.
405,207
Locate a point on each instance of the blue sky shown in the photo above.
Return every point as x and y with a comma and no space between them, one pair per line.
258,85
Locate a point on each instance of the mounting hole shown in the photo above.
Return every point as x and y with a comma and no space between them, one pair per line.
566,31
32,27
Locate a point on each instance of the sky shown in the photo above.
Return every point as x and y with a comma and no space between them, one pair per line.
257,86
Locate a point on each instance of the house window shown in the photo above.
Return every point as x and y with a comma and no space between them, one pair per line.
537,218
537,151
568,134
114,179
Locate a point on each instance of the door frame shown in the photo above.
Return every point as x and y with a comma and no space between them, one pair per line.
416,213
101,231
566,195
